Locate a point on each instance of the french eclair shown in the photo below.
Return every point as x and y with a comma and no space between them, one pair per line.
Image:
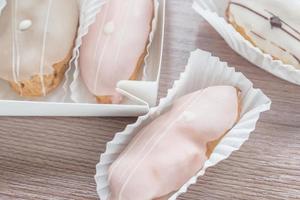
171,149
36,41
271,25
115,47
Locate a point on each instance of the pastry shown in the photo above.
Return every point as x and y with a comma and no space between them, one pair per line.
36,41
115,46
174,147
271,25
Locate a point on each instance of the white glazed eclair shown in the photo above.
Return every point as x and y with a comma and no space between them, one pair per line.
271,25
36,40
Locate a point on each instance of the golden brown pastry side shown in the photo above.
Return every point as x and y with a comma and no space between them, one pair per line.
33,86
237,27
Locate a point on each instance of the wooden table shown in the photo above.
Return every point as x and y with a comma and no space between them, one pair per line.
55,158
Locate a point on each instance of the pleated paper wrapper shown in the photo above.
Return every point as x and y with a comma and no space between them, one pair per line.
202,71
2,5
213,11
133,91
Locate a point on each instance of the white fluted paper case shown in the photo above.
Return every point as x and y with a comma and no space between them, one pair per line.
213,11
130,89
2,5
202,71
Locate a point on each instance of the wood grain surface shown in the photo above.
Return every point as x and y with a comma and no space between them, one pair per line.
55,158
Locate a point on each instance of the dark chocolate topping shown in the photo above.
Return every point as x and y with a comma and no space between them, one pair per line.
275,22
283,49
287,32
296,58
258,35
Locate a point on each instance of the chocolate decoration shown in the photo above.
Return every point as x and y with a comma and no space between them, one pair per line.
283,49
283,22
296,58
287,32
261,37
275,22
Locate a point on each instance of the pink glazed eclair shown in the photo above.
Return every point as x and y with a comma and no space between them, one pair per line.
174,147
115,47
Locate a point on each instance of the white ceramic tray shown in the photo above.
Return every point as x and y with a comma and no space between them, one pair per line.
141,95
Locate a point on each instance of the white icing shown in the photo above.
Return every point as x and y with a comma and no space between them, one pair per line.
125,17
188,116
42,62
15,52
277,42
109,27
25,24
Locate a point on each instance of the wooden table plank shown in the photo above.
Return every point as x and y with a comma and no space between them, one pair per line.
55,158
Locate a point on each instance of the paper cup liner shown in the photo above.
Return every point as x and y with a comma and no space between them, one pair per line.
2,5
213,11
202,71
89,12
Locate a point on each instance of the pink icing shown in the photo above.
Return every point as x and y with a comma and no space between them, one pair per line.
171,149
114,44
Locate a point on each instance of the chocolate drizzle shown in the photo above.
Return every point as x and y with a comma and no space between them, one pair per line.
290,34
243,6
261,37
283,49
284,22
298,59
